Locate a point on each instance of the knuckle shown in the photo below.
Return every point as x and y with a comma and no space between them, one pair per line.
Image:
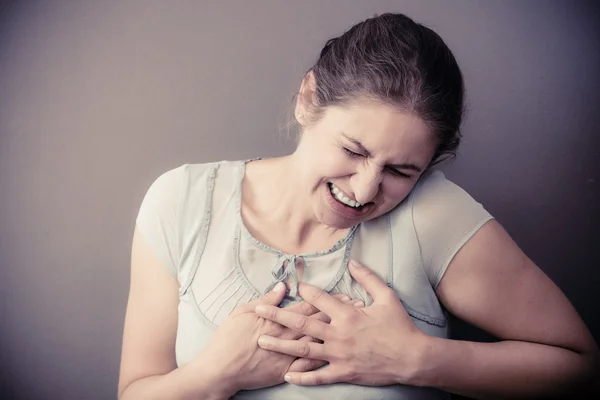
346,374
303,349
390,295
346,341
270,313
300,323
352,317
306,308
342,297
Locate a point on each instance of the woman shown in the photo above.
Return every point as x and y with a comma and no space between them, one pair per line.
208,316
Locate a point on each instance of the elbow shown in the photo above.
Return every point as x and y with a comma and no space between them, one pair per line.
590,370
121,393
122,389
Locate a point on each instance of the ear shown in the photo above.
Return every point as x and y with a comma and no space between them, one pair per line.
306,97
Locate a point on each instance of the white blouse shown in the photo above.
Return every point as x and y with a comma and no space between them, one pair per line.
191,219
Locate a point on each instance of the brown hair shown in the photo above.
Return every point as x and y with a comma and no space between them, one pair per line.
392,59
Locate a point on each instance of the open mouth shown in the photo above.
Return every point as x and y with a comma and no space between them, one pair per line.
343,199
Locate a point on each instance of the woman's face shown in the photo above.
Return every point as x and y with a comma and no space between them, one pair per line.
368,153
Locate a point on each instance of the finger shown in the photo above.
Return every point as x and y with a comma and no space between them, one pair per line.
292,334
274,297
377,288
321,316
321,377
323,301
310,339
358,303
300,337
306,364
305,308
296,322
298,348
342,297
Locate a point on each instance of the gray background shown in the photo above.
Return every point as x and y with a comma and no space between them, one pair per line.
97,98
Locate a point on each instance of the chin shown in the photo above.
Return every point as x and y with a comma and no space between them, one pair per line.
337,223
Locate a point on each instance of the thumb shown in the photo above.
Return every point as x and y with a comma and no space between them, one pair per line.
376,287
274,297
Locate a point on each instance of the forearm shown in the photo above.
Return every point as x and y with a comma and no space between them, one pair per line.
186,382
508,369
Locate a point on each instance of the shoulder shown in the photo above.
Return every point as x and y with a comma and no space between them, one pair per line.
434,189
177,188
175,206
190,176
436,196
442,217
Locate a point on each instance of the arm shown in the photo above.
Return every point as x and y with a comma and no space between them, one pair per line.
148,368
546,349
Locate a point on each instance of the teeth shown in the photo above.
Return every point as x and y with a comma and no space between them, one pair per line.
343,198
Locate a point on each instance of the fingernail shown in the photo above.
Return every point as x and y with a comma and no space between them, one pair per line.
345,298
260,309
354,264
359,303
279,287
287,378
263,341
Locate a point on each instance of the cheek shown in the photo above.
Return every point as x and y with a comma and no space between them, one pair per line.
332,165
396,190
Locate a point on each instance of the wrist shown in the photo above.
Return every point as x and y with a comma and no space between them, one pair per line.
211,383
416,368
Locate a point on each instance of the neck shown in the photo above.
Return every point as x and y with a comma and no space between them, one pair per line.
274,195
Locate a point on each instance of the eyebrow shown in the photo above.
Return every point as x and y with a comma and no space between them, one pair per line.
368,154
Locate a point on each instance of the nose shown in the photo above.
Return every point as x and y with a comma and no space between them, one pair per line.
366,183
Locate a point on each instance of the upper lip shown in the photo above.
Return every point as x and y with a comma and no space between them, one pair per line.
345,194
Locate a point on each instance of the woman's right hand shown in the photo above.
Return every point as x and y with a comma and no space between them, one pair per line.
236,360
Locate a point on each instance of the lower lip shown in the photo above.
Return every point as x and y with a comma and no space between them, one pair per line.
344,210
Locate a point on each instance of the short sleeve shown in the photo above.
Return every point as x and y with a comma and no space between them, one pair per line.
445,217
158,217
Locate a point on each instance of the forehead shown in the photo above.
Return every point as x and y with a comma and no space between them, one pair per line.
385,130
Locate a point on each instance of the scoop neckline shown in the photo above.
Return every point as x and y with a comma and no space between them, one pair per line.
246,233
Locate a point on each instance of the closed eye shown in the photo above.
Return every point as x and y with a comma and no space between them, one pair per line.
351,153
392,171
397,173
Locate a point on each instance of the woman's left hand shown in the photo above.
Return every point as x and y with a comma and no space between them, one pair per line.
376,346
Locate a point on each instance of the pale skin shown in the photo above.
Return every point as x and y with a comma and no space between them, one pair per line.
546,348
148,366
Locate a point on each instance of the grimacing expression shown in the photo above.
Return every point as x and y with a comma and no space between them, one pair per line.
360,161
